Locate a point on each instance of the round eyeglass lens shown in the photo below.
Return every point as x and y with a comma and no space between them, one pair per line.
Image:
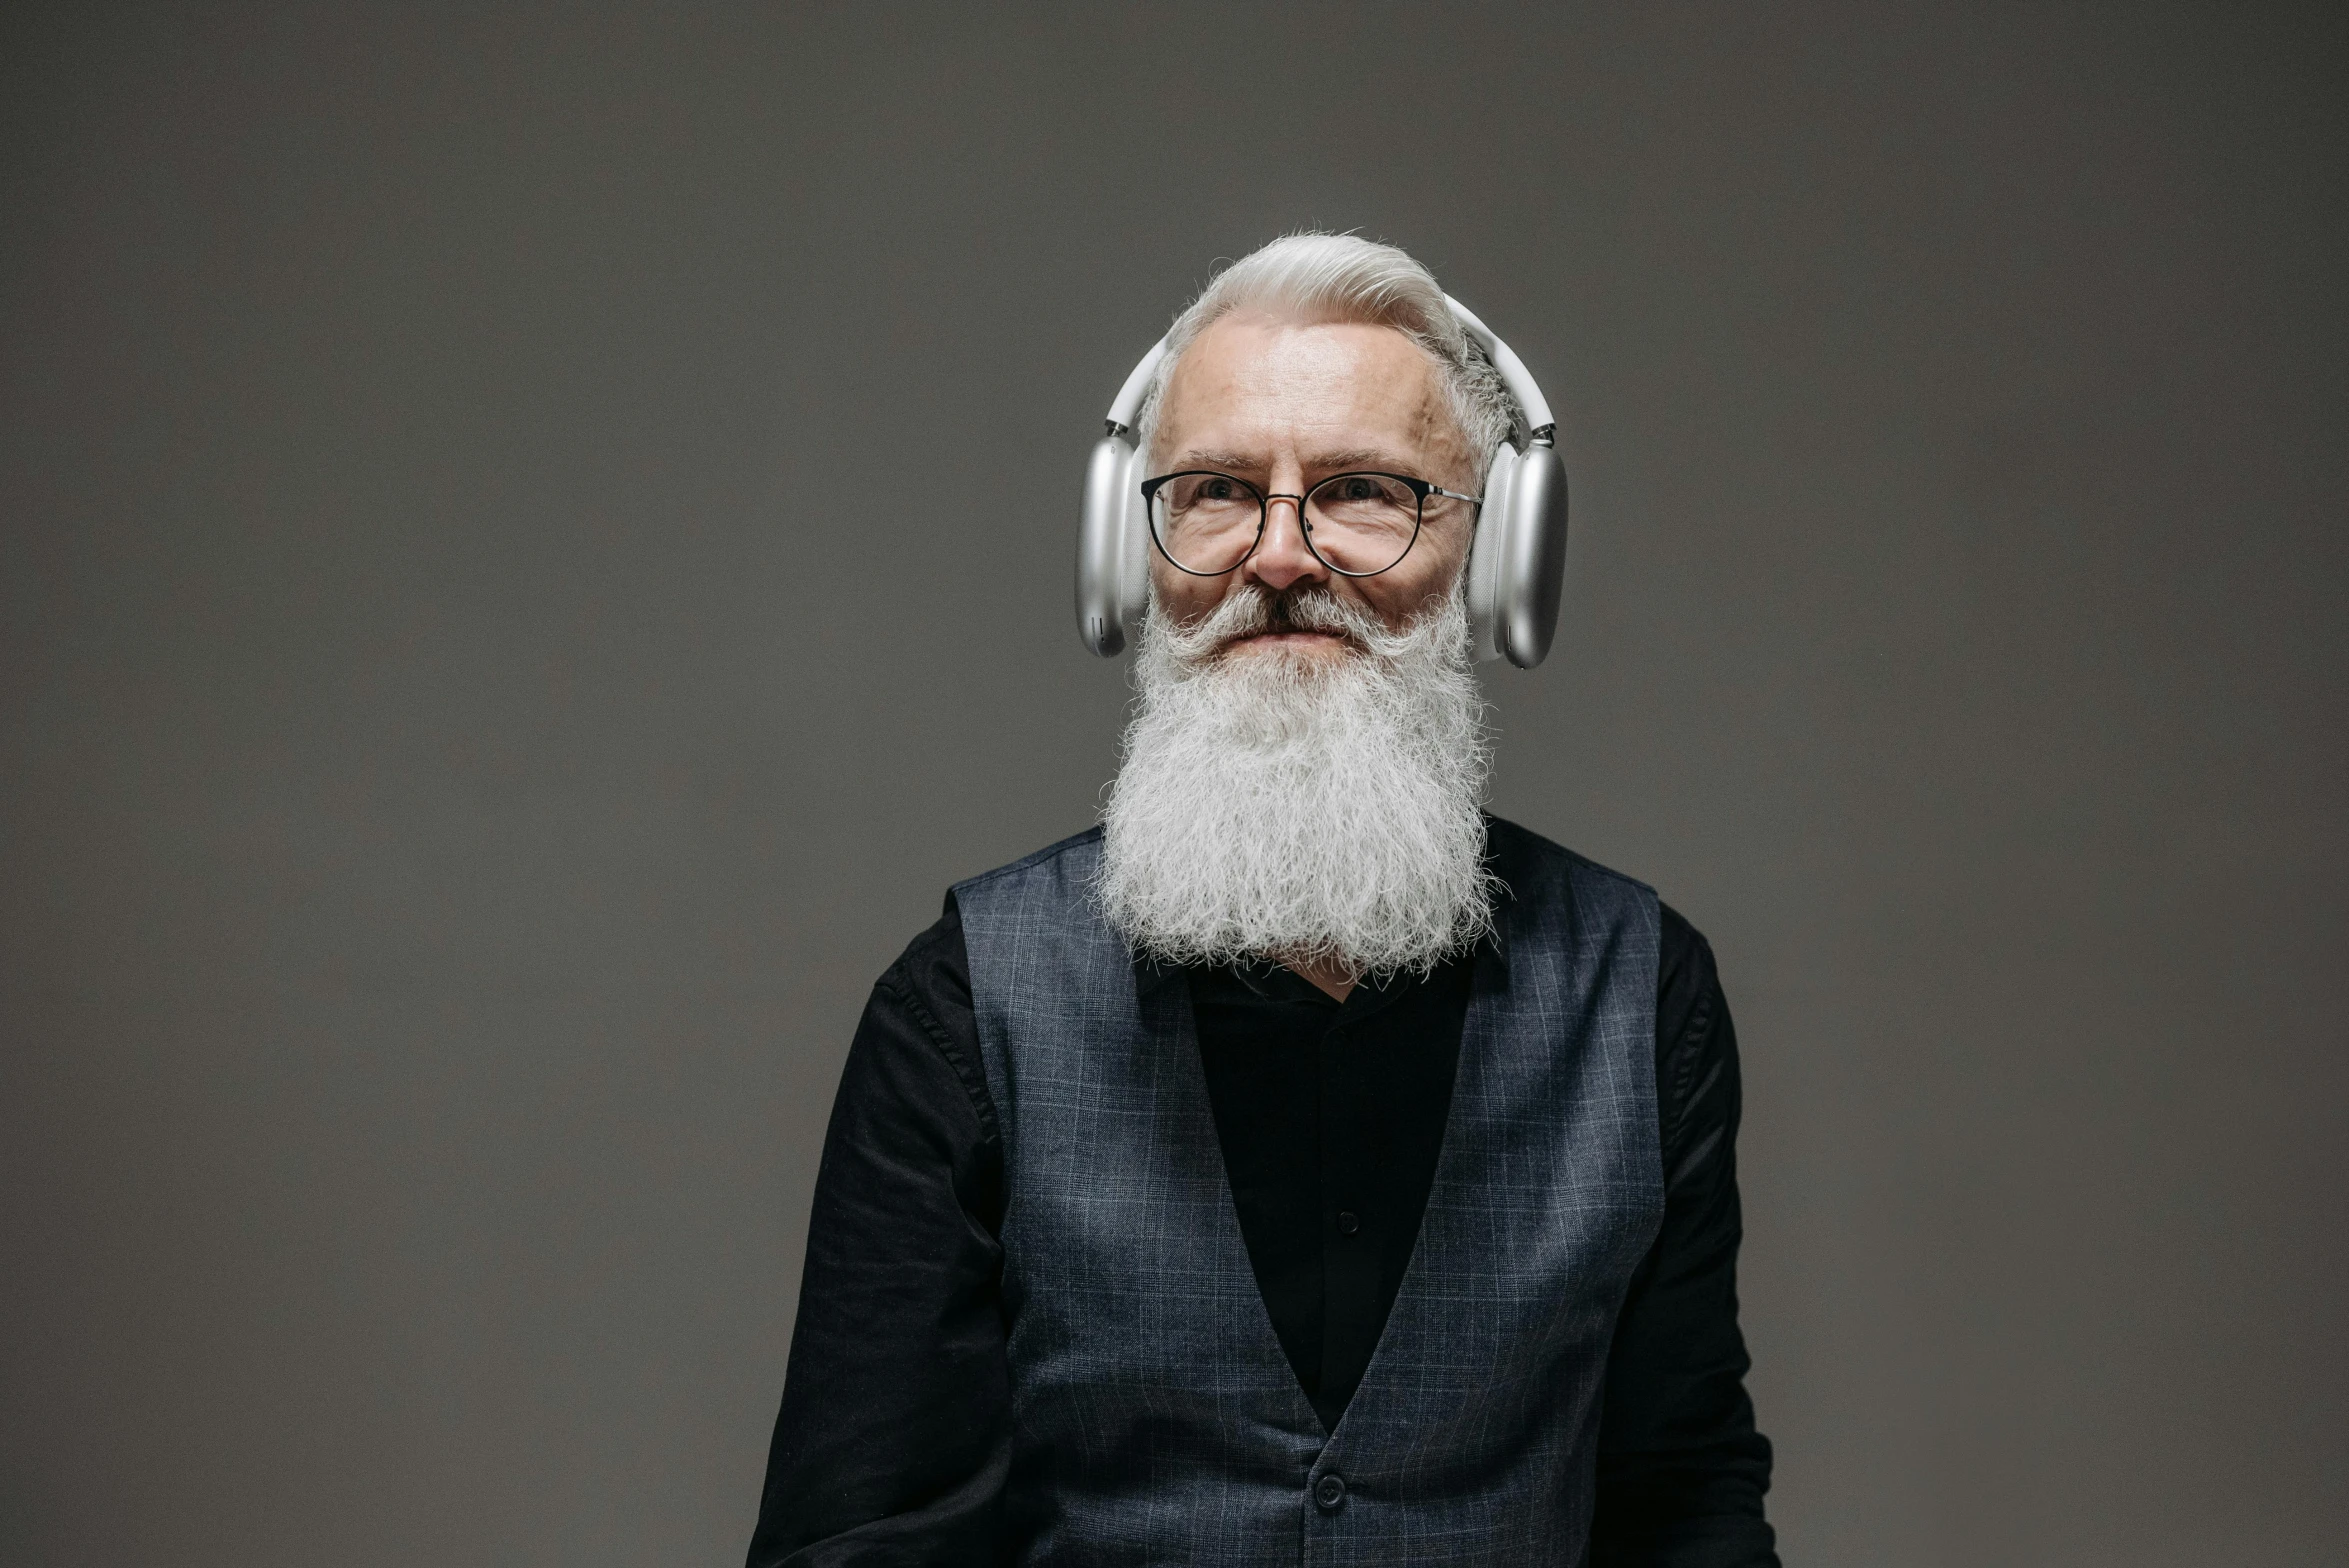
1361,523
1205,522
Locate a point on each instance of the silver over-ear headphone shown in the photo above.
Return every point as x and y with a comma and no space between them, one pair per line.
1516,566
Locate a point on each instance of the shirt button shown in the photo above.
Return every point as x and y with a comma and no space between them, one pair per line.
1348,1222
1329,1493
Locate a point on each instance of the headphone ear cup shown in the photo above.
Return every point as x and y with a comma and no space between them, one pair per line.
1486,554
1134,549
1532,569
1101,531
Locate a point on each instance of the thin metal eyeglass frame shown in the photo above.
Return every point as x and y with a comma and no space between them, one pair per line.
1420,490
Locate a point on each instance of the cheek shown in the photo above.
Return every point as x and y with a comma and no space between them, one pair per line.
1428,572
1450,557
1183,596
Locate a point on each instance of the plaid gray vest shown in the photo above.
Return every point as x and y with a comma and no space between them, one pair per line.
1156,1419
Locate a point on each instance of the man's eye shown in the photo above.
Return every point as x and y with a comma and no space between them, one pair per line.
1216,490
1358,490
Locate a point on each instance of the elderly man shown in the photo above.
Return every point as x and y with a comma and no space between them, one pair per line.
1303,1165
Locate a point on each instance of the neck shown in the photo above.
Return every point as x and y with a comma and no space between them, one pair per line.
1329,976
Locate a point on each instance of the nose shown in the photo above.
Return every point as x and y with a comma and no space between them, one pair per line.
1280,558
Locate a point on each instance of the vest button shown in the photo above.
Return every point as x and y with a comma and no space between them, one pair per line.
1348,1222
1329,1493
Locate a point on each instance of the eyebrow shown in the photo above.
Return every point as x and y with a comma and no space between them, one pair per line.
1319,462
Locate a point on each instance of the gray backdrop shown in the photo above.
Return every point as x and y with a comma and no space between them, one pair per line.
538,542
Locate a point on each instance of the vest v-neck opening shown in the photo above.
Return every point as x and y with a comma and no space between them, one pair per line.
1330,1117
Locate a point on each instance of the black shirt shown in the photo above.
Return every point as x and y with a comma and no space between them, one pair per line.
1330,1117
894,1438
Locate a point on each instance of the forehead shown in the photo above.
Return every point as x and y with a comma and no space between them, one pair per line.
1252,384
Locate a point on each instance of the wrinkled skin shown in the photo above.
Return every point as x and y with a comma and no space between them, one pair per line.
1285,405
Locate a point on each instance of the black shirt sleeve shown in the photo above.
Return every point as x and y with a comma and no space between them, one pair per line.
895,1433
1681,1468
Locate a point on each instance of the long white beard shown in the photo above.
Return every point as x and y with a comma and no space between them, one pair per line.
1276,805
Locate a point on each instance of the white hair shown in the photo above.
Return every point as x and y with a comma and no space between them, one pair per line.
1297,808
1346,278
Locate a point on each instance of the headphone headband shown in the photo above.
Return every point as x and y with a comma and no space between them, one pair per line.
1519,380
1127,405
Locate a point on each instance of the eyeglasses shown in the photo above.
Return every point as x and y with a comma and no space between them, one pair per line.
1357,525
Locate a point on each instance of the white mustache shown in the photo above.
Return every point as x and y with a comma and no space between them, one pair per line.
1251,610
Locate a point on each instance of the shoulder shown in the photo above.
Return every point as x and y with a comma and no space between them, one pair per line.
1691,1017
1074,855
1527,863
933,973
1684,959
